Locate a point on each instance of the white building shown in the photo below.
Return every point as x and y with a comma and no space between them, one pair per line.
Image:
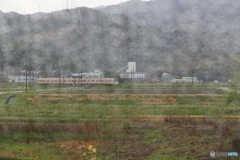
189,79
129,71
95,74
131,67
135,75
20,78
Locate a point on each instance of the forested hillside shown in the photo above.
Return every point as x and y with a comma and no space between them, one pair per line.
67,38
205,31
175,36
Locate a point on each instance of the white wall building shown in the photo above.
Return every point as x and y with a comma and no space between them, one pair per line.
189,79
135,75
129,71
131,67
94,74
21,78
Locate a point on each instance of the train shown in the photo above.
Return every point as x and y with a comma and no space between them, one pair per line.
76,81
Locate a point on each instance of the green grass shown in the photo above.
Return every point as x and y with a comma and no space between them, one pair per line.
45,126
160,85
145,140
60,108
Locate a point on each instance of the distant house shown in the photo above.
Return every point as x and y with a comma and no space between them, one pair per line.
21,77
135,75
189,79
130,71
166,77
95,74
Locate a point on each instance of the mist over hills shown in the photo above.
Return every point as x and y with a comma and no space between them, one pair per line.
175,36
208,20
65,39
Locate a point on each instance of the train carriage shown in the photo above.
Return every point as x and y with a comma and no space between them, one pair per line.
76,81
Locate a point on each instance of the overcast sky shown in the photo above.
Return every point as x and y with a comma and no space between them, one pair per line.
33,6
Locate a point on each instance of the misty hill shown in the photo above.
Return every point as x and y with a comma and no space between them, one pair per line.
68,38
211,21
65,39
210,27
184,14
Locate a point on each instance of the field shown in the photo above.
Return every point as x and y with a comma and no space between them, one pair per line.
106,124
143,91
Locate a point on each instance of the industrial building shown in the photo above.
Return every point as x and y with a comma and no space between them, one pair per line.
190,79
21,77
129,71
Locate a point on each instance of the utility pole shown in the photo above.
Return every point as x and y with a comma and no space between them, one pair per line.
33,78
192,80
59,81
81,74
192,73
18,77
73,4
26,65
30,83
63,80
66,4
78,78
131,77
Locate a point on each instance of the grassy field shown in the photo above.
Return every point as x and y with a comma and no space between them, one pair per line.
159,85
118,126
80,106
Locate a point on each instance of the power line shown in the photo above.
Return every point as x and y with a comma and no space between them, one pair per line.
73,4
66,4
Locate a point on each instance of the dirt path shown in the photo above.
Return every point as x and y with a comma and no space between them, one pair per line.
29,90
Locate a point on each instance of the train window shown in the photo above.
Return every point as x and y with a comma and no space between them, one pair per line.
56,80
84,80
92,80
101,80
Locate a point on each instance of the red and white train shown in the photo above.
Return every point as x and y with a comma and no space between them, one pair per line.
76,81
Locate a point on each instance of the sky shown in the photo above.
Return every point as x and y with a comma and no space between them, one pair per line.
33,6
